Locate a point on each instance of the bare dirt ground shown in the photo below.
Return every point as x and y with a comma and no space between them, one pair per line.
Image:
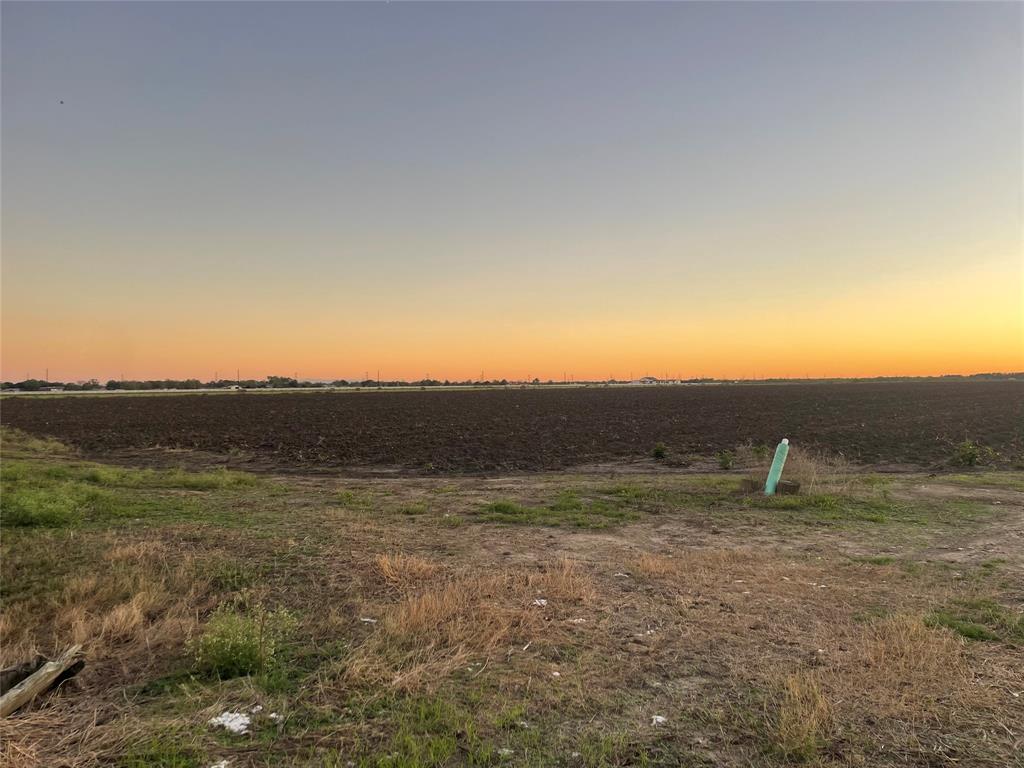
505,430
615,618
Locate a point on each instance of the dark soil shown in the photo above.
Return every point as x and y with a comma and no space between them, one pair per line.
529,429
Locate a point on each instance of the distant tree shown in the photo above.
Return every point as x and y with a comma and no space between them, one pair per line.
281,382
31,385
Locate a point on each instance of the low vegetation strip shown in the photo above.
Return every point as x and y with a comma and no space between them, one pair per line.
229,619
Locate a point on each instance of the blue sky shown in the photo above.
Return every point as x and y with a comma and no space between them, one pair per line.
440,166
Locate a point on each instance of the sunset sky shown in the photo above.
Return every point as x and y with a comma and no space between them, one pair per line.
523,190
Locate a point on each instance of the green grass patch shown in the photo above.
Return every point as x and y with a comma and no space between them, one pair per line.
1013,481
569,508
611,750
350,499
62,504
431,733
40,473
38,493
875,560
159,752
413,510
876,508
230,575
980,619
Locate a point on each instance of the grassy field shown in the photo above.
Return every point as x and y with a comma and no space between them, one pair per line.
548,619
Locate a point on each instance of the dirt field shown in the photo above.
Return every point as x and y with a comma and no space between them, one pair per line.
544,619
915,424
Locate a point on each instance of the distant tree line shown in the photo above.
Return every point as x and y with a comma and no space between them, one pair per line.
288,382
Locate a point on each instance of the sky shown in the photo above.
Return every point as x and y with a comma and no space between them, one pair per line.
512,190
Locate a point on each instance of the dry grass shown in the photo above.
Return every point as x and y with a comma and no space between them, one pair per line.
817,472
900,681
704,566
804,716
143,599
425,636
132,611
403,571
907,669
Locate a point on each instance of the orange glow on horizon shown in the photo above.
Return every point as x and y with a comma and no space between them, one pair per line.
962,323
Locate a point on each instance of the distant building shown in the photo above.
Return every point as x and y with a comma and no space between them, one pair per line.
648,380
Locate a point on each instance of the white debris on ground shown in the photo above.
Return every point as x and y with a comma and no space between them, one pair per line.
658,720
276,718
622,575
540,601
505,752
221,764
368,620
556,674
236,722
577,621
256,709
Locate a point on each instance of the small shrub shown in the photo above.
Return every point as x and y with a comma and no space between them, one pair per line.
660,451
726,459
234,644
971,454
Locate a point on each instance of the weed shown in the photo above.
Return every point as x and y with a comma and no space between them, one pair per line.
660,451
233,644
971,454
726,459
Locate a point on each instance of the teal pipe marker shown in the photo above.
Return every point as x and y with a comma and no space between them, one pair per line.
777,464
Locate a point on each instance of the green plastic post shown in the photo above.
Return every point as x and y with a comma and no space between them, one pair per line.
777,464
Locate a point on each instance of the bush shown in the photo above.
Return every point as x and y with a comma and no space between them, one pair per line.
971,454
726,459
660,451
234,644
